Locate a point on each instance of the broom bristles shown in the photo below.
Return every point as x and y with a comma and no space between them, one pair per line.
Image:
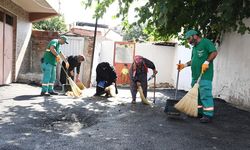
189,103
143,99
111,90
76,91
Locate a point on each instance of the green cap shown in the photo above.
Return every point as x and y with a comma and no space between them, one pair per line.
65,38
190,33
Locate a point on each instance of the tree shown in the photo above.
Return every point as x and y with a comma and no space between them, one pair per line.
56,23
134,33
165,19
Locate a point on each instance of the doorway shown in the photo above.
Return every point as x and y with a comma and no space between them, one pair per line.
123,58
6,47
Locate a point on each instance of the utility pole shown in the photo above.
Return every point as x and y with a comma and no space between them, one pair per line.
93,51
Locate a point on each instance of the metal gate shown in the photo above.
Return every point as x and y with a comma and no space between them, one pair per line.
75,47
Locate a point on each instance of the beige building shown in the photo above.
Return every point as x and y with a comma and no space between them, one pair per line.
16,17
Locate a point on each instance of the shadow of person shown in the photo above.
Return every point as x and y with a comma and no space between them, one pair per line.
26,97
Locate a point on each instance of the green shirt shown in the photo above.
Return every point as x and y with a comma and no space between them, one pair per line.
48,56
200,54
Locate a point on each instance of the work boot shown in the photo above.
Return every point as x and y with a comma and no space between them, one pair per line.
205,119
53,93
199,115
133,102
45,94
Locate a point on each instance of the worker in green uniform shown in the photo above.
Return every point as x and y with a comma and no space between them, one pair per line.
49,61
203,54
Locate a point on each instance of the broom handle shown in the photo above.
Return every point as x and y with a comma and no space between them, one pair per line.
177,82
63,67
64,70
154,88
199,79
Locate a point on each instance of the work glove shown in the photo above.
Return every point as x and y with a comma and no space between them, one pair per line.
181,66
58,58
138,84
204,67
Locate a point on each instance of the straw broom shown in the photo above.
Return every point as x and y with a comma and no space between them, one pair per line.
143,99
76,92
189,103
75,89
111,90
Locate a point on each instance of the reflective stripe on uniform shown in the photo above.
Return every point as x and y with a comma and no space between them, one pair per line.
45,84
51,84
208,109
199,106
48,50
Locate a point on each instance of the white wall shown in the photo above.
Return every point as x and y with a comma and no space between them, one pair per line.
162,56
232,69
24,30
165,59
183,54
104,52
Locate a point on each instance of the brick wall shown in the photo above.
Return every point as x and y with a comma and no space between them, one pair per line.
30,67
39,41
31,63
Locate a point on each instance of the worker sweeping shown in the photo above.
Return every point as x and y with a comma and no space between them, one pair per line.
138,75
106,80
203,54
74,62
49,61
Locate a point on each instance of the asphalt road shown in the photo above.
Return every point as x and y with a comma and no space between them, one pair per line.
31,122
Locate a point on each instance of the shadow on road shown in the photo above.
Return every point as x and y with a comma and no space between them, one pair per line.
26,97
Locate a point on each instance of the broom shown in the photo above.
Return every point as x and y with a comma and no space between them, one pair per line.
75,89
143,99
189,103
111,90
154,88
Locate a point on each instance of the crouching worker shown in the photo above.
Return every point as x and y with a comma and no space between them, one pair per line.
49,61
74,62
106,80
138,75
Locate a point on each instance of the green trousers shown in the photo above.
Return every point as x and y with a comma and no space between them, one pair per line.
205,98
49,77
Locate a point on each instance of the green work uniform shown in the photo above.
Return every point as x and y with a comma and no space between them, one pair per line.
200,54
48,66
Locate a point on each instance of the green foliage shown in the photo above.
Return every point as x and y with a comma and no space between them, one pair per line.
134,33
52,24
165,19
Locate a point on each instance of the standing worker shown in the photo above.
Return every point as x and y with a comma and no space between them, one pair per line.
203,54
138,75
74,61
49,61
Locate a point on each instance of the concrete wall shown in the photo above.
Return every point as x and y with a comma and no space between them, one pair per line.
183,54
163,58
232,69
104,52
30,67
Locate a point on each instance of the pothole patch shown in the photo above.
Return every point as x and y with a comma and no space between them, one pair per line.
68,120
